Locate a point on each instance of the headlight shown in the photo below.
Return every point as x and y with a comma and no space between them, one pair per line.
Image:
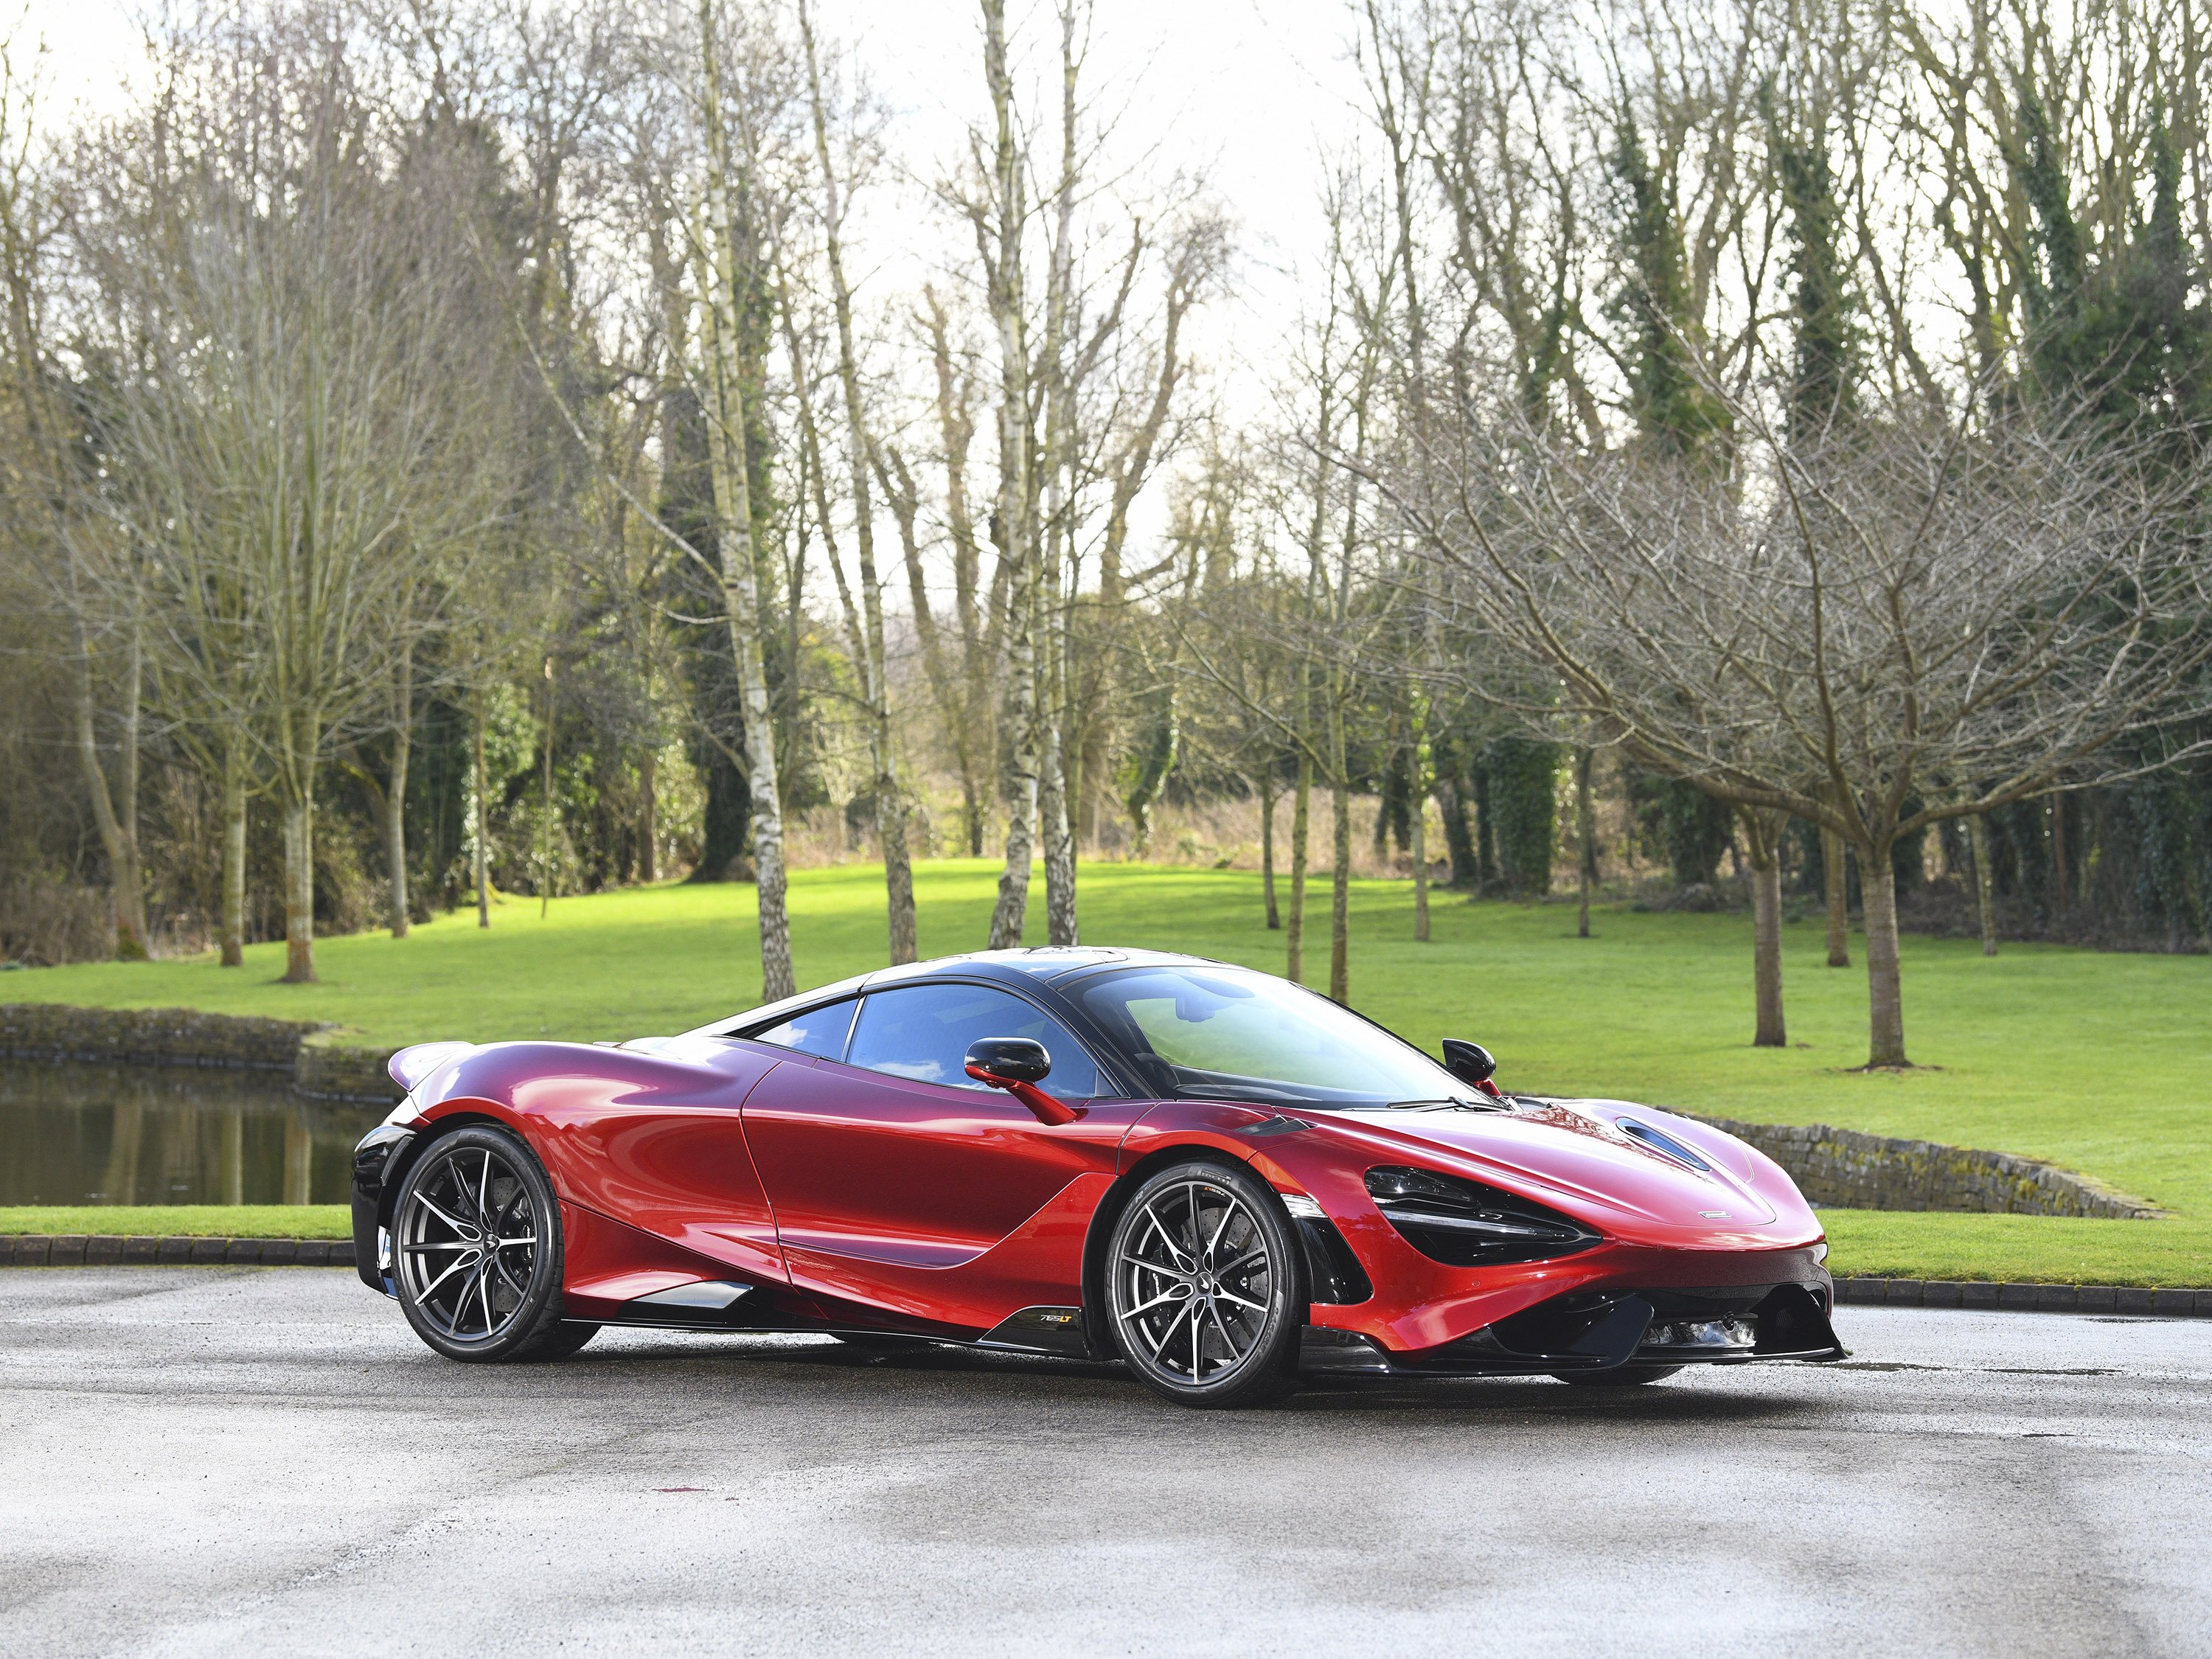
1466,1223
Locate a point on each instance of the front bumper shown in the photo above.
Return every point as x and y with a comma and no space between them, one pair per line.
1602,1330
379,1161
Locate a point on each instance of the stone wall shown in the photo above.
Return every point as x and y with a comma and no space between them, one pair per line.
150,1036
186,1037
330,1069
1846,1169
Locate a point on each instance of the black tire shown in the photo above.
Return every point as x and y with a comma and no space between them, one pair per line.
1203,1253
1619,1376
477,1305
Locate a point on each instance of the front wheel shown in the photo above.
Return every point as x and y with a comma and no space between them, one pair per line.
476,1251
1203,1287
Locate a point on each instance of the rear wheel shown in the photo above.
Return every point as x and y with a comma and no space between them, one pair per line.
1203,1287
1617,1376
476,1248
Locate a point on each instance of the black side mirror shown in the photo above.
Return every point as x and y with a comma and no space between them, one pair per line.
1009,1060
1018,1065
1470,1062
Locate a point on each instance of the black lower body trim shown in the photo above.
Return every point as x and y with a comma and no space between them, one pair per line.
1596,1330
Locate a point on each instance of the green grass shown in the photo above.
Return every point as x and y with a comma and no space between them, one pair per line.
182,1220
2100,1062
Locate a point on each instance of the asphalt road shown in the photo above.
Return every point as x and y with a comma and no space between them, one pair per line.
212,1461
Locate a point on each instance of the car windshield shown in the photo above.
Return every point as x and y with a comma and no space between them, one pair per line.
1228,1034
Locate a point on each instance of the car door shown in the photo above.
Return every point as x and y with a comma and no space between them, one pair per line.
891,1172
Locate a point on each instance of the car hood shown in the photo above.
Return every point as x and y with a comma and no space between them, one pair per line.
1578,1151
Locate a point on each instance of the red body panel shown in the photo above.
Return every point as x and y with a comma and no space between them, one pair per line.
958,1205
858,1197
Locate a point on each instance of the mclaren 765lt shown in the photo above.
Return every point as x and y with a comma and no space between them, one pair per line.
1214,1177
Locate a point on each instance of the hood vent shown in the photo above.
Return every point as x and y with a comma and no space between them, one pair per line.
1667,1145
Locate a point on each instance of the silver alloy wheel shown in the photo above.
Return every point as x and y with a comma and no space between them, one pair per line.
466,1243
1194,1282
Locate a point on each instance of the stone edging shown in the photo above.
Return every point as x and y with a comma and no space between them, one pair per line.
1984,1295
321,1069
110,1249
1848,1169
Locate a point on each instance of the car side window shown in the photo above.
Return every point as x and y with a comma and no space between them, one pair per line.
923,1032
819,1031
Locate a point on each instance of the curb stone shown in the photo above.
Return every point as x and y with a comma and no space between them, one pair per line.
104,1249
2129,1300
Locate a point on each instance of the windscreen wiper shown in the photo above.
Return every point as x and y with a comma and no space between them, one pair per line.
1448,1103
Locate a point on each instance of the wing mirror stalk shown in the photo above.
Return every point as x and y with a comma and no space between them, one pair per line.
1018,1065
1470,1062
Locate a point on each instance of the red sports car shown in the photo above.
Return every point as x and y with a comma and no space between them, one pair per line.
1212,1175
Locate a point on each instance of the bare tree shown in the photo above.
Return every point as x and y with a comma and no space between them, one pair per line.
1916,620
285,425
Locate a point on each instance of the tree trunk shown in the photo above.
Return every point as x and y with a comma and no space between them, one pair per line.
1294,968
1838,879
1340,899
1486,835
1018,548
890,829
1585,838
648,826
299,810
1059,837
1762,835
234,850
1011,910
480,859
1417,807
118,830
1266,784
1885,989
395,796
732,487
1978,835
2061,884
1053,534
545,808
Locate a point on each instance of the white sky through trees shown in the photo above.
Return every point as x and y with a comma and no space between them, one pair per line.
1251,92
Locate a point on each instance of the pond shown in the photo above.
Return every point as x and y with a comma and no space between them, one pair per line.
81,1133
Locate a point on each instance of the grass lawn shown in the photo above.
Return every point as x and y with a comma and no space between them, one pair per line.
182,1220
2102,1063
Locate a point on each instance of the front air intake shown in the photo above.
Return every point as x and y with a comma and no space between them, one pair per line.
1465,1224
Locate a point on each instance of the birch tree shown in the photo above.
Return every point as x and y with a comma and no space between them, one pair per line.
733,516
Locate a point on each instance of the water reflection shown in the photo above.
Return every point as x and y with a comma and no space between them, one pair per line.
168,1134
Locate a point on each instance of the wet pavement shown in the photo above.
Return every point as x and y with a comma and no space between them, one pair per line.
212,1460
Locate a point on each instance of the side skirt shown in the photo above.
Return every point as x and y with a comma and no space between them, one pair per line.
726,1306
